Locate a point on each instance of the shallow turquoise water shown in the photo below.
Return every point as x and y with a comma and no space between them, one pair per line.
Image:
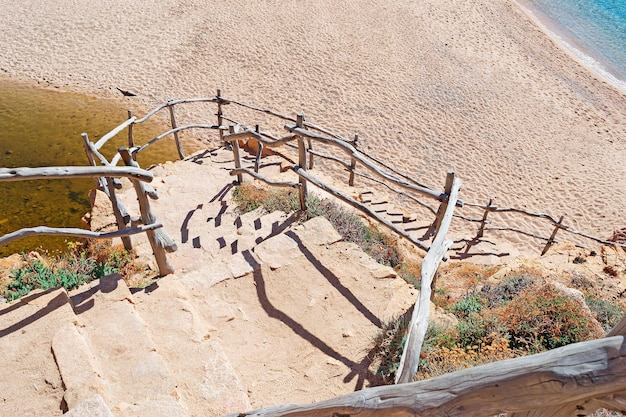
595,28
42,127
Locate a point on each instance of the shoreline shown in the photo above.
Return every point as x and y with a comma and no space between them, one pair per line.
578,53
463,85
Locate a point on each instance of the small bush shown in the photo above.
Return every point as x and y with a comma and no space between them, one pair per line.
69,271
607,314
473,330
541,318
388,346
444,359
471,304
506,290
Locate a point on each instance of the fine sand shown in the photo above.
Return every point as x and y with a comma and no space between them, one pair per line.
430,85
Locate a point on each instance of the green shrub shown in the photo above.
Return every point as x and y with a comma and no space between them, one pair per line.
506,290
541,318
607,314
36,275
69,271
471,304
474,329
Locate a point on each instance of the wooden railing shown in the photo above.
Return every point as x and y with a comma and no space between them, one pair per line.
138,176
299,142
576,377
305,141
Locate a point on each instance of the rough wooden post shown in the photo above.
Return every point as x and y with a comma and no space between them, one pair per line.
259,152
100,182
409,362
123,222
481,229
236,154
147,218
310,146
219,115
434,228
131,137
108,187
179,146
302,151
559,225
353,162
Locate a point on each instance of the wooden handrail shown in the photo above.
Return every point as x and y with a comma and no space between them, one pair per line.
104,139
352,152
421,311
179,129
75,232
47,173
310,131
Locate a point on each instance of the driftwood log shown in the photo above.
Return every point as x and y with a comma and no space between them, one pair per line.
71,231
573,374
47,173
419,320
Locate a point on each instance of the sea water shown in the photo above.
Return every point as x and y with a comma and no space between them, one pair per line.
594,31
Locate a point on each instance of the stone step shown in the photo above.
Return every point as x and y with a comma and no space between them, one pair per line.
227,248
79,368
203,374
302,290
30,383
138,380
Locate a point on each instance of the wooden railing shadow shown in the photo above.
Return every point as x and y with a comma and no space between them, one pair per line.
360,370
54,304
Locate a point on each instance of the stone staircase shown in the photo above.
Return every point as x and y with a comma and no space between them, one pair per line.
261,310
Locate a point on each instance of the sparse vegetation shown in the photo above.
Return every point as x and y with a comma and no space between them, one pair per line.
81,264
248,198
607,313
521,315
378,245
388,346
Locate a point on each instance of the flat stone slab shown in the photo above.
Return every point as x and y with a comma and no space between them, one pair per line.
92,407
203,374
30,383
137,375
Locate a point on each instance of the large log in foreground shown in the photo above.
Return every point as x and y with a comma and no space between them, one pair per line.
571,374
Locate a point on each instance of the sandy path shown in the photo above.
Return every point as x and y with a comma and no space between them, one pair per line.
431,85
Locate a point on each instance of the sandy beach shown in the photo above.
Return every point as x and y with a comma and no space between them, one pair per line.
431,85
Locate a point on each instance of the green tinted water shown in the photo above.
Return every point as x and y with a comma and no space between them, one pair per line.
41,127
